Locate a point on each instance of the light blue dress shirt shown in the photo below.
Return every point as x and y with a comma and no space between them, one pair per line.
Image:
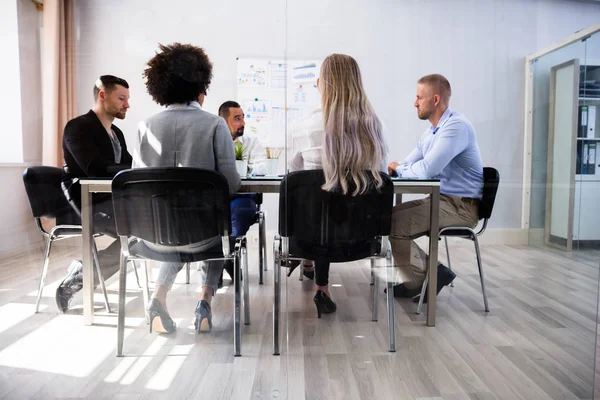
448,152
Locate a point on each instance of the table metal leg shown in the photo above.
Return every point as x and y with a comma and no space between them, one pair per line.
276,299
434,222
88,271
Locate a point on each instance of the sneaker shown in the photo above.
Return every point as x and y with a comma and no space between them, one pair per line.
71,284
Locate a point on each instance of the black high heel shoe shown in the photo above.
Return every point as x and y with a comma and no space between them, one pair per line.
203,321
293,264
324,303
164,323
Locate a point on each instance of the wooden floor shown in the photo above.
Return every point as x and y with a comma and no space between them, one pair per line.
537,342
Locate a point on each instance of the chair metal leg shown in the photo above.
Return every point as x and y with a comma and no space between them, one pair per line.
121,315
422,296
187,273
145,288
276,300
448,257
43,275
480,266
390,300
237,334
137,277
100,278
262,250
374,292
244,259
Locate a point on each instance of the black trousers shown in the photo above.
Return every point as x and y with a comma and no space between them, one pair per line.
322,273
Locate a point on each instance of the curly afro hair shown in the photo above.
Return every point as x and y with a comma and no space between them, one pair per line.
179,73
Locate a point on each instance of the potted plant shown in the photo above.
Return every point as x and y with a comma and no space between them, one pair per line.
241,159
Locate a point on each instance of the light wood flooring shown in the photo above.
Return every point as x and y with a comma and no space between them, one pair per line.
537,342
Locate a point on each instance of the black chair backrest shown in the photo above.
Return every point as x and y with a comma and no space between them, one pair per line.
322,220
45,195
491,180
171,206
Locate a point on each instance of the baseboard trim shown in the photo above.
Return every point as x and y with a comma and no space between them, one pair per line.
25,249
39,247
514,237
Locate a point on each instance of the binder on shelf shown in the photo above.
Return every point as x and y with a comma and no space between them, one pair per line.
591,122
591,170
585,158
583,120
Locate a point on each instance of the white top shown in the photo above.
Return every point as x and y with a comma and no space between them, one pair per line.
256,152
306,142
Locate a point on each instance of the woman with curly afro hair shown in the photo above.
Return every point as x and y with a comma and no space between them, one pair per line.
183,135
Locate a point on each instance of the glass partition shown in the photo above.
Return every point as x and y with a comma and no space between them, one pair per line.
564,190
545,115
588,232
541,281
514,311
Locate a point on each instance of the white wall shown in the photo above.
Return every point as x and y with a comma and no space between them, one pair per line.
480,45
10,95
19,231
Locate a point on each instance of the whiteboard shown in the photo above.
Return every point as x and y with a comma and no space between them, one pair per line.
276,93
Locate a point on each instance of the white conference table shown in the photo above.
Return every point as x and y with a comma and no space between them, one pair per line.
258,185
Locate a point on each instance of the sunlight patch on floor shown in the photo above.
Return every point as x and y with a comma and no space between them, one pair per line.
166,372
142,362
12,314
68,347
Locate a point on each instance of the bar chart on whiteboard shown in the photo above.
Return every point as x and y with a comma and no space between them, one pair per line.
274,94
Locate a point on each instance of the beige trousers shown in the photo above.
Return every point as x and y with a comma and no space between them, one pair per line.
411,219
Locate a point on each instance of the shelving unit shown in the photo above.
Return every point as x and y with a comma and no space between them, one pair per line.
573,156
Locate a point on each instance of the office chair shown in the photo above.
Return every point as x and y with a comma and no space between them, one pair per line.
491,180
47,200
319,225
175,207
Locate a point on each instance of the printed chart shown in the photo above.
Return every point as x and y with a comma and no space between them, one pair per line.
262,85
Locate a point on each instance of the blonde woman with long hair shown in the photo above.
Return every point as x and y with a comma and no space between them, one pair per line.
353,149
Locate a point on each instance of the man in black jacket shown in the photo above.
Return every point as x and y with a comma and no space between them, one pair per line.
94,147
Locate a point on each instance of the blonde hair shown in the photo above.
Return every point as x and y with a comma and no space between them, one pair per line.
353,147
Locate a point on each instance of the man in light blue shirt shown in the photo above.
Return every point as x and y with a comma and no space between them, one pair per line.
447,151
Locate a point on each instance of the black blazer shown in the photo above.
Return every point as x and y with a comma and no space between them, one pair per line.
88,152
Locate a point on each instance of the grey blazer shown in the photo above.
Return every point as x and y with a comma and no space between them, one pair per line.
186,136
